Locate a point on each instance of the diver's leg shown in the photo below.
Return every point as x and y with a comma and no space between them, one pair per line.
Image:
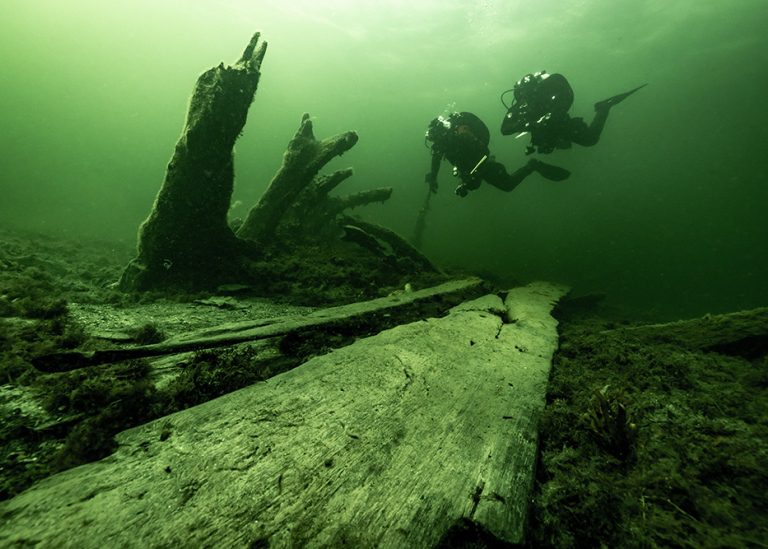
586,136
616,99
549,171
496,174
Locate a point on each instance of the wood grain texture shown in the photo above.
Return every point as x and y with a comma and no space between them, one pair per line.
239,332
384,443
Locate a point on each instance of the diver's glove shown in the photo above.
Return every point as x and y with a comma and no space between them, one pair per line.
431,180
462,190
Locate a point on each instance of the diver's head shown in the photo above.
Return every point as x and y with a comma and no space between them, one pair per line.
544,93
527,105
438,128
525,88
537,95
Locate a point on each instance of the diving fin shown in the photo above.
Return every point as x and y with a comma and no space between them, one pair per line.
549,171
616,99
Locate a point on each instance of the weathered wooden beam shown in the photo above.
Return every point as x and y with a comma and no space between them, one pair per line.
251,331
707,332
387,442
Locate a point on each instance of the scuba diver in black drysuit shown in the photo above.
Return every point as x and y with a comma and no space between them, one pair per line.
541,108
462,139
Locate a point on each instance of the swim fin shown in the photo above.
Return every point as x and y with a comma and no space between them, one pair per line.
549,171
616,99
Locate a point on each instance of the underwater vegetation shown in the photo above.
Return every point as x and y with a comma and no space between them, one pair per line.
95,404
147,333
651,445
212,373
611,425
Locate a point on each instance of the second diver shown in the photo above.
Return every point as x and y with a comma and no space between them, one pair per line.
540,108
462,139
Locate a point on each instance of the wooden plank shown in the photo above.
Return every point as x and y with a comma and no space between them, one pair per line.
387,442
233,333
707,332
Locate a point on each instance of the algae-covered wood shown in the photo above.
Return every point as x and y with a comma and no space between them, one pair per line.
239,332
387,442
707,332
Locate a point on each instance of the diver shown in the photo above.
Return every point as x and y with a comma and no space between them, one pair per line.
462,139
540,107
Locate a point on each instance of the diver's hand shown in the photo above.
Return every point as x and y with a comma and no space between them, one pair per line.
431,180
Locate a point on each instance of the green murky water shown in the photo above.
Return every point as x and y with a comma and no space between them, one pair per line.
666,215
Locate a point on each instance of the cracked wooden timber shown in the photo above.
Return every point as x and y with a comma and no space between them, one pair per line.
385,443
348,316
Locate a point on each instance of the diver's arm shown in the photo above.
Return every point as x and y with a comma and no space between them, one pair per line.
511,122
431,177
